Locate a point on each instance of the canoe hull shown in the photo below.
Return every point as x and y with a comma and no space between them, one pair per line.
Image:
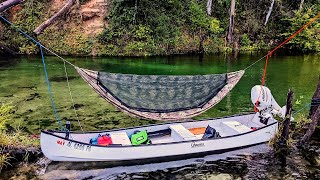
58,148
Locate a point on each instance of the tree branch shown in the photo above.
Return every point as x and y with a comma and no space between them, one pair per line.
50,21
9,3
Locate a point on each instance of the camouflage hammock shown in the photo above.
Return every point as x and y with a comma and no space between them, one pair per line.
161,97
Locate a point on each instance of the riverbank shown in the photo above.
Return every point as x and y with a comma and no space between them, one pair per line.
147,28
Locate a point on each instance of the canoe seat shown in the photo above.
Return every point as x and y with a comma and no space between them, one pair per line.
180,133
120,138
234,127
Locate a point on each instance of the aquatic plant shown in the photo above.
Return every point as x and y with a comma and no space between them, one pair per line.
16,138
5,115
4,160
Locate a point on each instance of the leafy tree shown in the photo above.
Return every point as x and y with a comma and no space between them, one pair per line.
201,24
307,40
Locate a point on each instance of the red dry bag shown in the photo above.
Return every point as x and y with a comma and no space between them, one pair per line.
104,140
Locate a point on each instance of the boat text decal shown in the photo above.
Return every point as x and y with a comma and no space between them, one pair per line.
195,145
79,146
60,142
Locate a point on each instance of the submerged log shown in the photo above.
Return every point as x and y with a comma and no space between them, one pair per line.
9,3
314,115
50,21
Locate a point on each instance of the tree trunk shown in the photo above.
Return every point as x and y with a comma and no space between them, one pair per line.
201,49
315,96
209,7
314,114
9,3
312,127
301,5
282,148
269,12
50,21
135,11
7,50
231,23
286,123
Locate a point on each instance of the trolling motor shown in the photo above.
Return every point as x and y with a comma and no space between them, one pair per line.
265,104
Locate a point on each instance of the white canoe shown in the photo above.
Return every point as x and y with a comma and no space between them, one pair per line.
236,132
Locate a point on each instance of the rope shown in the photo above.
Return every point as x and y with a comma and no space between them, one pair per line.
49,88
307,105
71,97
46,73
276,48
254,63
265,70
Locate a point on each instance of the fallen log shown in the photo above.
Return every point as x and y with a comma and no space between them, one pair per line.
9,3
51,20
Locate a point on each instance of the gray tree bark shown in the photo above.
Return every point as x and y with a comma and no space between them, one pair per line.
209,7
231,22
135,11
301,5
9,3
269,12
51,20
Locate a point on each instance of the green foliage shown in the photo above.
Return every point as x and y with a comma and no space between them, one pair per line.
201,22
4,160
16,138
26,19
245,40
301,120
307,40
5,115
157,27
168,27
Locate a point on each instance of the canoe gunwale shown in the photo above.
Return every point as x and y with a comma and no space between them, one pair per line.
51,133
149,125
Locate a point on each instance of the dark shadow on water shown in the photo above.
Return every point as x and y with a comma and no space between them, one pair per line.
8,61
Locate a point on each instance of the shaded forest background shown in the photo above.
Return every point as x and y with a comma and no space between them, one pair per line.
161,27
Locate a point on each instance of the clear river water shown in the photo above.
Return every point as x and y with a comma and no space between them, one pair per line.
23,85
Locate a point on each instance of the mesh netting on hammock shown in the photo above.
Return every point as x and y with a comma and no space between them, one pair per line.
161,97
